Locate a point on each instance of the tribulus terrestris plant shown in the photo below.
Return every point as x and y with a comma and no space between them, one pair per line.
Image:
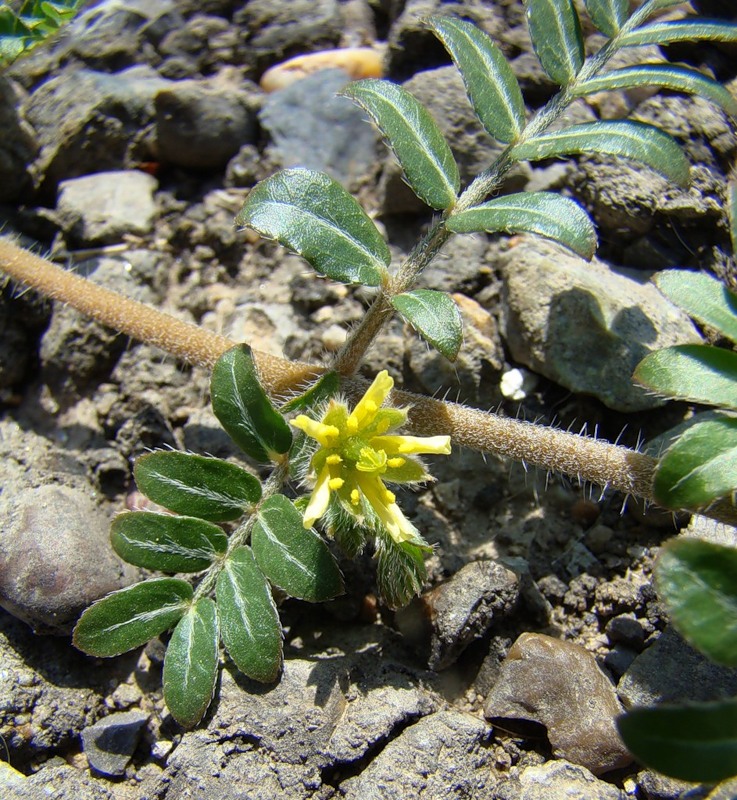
340,437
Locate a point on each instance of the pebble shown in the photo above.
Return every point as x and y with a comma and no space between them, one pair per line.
110,743
356,62
557,780
559,685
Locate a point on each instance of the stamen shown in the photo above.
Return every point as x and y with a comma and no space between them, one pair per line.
335,484
355,497
334,460
394,463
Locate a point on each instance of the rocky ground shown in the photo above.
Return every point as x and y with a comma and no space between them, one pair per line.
128,147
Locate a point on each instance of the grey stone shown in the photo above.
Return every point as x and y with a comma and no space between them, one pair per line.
441,755
55,556
655,786
557,780
110,743
627,631
672,671
62,782
18,147
310,126
560,685
103,207
446,619
583,324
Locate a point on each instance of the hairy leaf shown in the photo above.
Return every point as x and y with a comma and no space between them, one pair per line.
697,742
166,543
635,140
700,467
697,581
435,316
543,213
677,79
296,560
608,15
243,408
191,663
490,83
324,388
663,33
702,297
130,617
696,372
31,24
400,572
249,621
313,215
556,36
415,138
196,486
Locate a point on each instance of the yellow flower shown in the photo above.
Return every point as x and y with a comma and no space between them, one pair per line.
357,452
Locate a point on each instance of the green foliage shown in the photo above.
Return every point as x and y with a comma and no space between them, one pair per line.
435,316
608,15
36,21
556,36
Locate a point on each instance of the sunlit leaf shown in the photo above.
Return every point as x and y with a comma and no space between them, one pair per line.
635,140
130,617
324,388
663,33
435,316
244,409
166,543
208,488
415,138
249,622
608,15
697,582
556,37
490,83
543,213
191,663
313,215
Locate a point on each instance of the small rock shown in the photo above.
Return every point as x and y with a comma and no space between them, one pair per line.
557,780
110,743
356,62
655,786
559,685
619,659
18,147
551,295
627,631
103,207
62,782
445,620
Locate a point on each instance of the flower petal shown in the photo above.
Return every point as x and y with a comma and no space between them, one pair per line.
388,512
406,445
365,411
319,499
326,435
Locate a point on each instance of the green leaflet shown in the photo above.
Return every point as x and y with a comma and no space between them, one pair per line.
662,33
490,83
313,215
556,37
695,743
296,560
696,372
249,622
543,213
35,21
702,297
130,617
697,580
608,15
700,467
243,408
435,316
196,486
191,663
634,140
322,389
415,138
677,79
166,543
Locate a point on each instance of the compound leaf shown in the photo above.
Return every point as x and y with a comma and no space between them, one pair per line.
543,213
697,581
435,316
697,742
490,83
700,467
191,663
249,622
415,138
608,15
243,408
166,543
130,617
635,140
196,486
556,37
313,215
662,33
702,297
696,372
295,559
677,79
